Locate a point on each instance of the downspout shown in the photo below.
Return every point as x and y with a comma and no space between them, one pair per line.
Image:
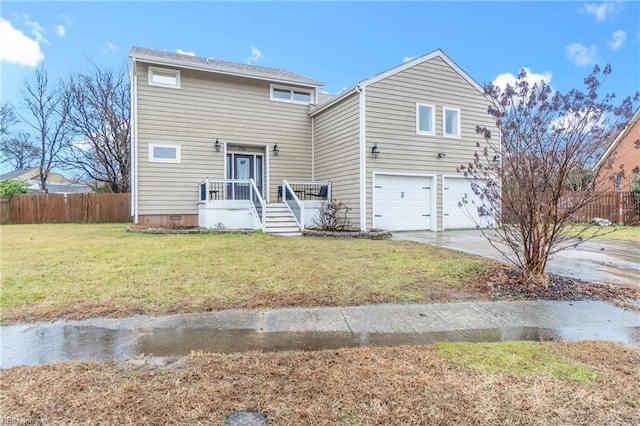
313,150
134,140
363,160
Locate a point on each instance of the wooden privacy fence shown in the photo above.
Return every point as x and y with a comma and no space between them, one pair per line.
65,208
618,207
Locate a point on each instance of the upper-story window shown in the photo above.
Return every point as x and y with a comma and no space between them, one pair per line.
164,77
164,153
451,122
290,94
425,119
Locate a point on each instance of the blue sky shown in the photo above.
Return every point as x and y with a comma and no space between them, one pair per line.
338,43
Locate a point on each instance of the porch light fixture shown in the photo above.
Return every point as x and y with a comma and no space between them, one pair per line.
375,151
441,155
496,159
217,145
276,150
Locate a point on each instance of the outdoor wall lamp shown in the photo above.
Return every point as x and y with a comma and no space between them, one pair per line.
276,150
441,155
217,145
496,159
375,151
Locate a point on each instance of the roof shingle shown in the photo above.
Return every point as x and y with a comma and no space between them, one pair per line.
217,65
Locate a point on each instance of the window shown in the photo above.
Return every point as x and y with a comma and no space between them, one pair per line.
619,177
451,119
164,77
425,119
287,94
164,153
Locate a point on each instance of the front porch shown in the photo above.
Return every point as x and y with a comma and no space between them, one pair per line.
239,204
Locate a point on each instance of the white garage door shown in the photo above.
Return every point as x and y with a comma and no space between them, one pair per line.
455,216
402,202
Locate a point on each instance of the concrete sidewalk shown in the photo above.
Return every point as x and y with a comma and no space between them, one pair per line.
314,329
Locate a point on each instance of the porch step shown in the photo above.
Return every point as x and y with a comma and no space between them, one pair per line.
280,221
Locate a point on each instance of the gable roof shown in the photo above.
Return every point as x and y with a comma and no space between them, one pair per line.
220,67
616,141
17,173
438,53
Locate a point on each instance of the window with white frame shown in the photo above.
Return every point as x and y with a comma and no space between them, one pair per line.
425,119
164,77
164,153
451,122
290,94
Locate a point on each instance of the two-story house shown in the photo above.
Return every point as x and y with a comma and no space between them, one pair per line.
227,145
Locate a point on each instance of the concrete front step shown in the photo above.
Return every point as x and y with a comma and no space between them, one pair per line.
280,221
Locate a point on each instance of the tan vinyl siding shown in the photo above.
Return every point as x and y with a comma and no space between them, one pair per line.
391,123
337,137
207,106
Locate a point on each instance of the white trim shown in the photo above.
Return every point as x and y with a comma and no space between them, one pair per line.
186,65
291,89
438,53
134,141
432,132
434,194
267,169
153,159
152,70
444,123
399,68
363,161
313,150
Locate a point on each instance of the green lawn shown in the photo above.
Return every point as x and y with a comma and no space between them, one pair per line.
615,232
79,271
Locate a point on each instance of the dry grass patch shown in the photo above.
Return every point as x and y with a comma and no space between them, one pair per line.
403,385
79,271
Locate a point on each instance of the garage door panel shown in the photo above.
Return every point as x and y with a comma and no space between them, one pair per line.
458,215
402,202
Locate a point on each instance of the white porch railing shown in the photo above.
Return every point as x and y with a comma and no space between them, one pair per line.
295,205
212,190
304,198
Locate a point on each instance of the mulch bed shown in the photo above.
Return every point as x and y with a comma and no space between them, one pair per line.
509,283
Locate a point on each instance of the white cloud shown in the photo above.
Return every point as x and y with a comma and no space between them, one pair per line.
36,30
407,58
16,48
256,54
532,78
581,55
109,47
182,52
619,37
60,31
601,11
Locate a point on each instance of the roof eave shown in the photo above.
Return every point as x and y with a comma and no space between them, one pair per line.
196,67
618,138
399,68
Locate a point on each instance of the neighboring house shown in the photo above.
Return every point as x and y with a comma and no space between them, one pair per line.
620,163
218,144
56,183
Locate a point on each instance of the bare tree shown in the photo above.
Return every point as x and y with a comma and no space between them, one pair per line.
19,151
46,112
524,177
99,115
8,119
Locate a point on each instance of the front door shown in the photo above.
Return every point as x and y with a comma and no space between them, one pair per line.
243,167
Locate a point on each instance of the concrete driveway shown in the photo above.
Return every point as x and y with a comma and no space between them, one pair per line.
615,262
